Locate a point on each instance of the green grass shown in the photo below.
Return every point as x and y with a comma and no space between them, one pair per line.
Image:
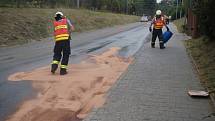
203,52
22,25
179,24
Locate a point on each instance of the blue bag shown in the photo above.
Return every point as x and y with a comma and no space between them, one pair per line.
166,36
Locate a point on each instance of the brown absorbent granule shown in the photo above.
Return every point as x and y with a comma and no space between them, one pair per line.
73,95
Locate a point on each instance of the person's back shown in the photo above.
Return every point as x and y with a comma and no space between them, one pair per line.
61,29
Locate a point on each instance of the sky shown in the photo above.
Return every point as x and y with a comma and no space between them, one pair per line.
158,1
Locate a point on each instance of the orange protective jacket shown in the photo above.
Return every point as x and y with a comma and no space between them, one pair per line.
159,23
61,30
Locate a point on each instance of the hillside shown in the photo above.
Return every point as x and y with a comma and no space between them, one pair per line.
19,26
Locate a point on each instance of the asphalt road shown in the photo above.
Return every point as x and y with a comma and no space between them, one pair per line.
37,54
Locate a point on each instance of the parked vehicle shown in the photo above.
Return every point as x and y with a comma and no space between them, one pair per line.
144,19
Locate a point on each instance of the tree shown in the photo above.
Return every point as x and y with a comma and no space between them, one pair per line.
119,6
145,7
169,8
204,9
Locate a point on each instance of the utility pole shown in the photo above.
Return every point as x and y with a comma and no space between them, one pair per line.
176,15
78,3
181,4
126,6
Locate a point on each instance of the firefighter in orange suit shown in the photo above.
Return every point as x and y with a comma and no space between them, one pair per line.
62,30
158,22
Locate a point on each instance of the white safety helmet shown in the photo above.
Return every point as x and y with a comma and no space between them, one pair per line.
158,12
59,13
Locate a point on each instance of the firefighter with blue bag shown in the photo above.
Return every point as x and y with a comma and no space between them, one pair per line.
158,22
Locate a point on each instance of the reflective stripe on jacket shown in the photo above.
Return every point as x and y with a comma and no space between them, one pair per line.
61,30
159,23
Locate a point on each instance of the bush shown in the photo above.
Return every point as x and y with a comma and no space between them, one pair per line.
204,9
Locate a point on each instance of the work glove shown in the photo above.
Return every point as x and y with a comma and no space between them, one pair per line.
150,29
167,28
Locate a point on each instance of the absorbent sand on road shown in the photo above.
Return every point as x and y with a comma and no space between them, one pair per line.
70,97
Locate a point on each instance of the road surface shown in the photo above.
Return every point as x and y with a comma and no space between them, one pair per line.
37,54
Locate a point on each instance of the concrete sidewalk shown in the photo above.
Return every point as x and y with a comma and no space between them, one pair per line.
155,88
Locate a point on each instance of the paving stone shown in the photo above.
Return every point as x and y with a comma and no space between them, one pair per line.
155,88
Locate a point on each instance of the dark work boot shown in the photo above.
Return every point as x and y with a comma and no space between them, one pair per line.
63,71
153,45
162,46
54,68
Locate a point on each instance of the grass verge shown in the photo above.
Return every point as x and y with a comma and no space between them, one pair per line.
23,25
180,23
203,53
